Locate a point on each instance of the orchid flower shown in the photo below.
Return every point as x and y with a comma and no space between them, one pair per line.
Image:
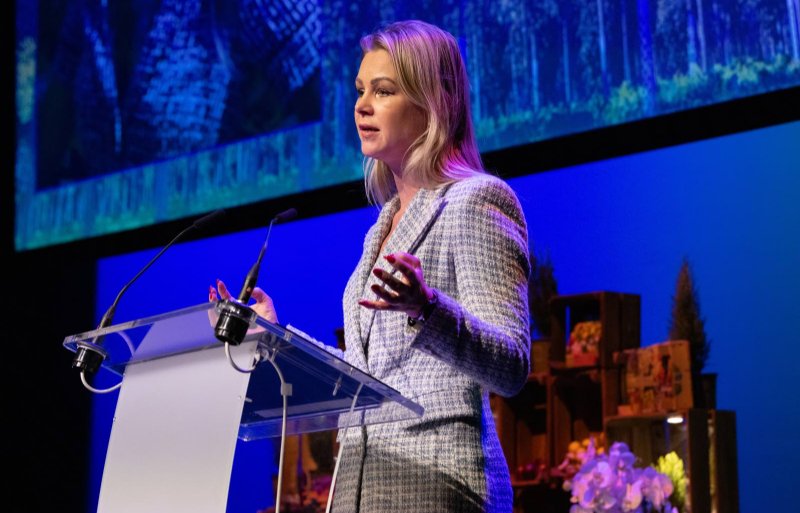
611,484
633,496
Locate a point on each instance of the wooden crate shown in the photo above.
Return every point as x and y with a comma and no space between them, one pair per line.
521,423
725,468
617,313
579,401
540,356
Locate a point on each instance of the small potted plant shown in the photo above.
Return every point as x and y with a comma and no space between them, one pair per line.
583,345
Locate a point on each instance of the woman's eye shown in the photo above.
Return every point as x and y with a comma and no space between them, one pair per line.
359,92
383,92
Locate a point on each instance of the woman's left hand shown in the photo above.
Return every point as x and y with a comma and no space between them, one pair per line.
263,305
402,291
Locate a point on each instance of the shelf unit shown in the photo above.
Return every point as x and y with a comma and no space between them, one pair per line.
581,398
562,403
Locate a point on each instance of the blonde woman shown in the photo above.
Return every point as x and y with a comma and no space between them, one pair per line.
437,306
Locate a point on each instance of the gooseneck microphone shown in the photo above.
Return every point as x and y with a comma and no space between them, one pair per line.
235,316
252,275
88,357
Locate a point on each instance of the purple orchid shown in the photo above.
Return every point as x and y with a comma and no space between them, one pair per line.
611,484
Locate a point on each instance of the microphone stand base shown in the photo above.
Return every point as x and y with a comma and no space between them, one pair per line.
234,321
88,357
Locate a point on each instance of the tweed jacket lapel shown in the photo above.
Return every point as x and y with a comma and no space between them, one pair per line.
409,233
419,213
372,245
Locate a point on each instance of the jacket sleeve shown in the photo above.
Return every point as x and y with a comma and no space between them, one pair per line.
485,331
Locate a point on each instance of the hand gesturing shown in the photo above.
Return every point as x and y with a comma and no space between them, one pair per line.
403,290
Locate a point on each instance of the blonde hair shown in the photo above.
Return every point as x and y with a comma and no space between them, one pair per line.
431,73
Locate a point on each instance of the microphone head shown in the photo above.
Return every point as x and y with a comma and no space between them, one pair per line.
208,219
286,215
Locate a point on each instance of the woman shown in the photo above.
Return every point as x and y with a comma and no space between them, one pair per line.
437,305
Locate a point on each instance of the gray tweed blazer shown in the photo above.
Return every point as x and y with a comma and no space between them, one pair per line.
475,254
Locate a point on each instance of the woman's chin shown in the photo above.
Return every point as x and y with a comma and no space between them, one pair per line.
368,149
371,154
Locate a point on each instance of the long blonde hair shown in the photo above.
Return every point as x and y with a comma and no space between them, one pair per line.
431,73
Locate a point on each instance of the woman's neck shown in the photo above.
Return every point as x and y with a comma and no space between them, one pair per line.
405,190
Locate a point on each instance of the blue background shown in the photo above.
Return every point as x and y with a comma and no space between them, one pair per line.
731,205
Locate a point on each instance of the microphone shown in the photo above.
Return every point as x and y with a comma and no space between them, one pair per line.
252,275
89,356
235,316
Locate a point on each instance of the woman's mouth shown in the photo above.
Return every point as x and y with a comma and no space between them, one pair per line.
367,129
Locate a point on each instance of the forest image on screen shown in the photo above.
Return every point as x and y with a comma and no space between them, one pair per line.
131,113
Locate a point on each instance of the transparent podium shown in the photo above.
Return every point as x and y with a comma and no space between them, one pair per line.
182,405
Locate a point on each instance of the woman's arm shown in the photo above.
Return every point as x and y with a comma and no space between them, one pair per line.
485,332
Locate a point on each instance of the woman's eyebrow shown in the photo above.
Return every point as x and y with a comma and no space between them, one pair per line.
376,80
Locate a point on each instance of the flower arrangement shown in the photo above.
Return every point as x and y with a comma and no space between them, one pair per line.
583,346
611,484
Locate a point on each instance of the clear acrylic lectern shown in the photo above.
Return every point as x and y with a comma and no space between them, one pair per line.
182,405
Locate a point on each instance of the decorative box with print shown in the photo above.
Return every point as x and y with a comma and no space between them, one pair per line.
658,378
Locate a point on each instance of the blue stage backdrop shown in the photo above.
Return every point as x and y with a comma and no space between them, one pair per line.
131,113
730,205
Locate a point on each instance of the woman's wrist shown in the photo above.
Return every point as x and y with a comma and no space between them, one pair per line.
426,310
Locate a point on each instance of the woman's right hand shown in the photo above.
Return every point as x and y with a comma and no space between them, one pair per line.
263,305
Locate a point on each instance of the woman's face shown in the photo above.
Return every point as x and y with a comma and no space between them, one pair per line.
386,119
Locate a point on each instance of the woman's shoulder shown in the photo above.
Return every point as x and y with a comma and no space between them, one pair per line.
481,188
485,204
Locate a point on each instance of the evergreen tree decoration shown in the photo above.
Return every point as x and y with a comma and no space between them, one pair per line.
687,323
542,287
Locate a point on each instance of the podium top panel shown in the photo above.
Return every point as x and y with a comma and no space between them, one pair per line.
326,391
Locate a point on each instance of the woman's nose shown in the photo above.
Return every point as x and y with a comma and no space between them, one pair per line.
363,106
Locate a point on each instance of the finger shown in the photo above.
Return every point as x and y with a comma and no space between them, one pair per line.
407,258
405,266
223,290
259,295
375,305
395,283
263,305
386,295
213,316
212,294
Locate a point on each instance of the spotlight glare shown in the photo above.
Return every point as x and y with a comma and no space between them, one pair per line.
675,418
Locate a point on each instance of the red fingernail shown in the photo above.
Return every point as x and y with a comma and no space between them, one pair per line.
389,258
